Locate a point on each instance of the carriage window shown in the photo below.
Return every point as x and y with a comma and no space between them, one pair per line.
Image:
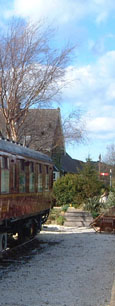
47,178
22,176
4,174
31,177
22,165
5,162
14,176
40,184
31,167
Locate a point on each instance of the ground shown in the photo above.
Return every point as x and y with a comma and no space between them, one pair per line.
72,267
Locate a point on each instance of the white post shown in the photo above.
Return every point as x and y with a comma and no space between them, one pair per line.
110,178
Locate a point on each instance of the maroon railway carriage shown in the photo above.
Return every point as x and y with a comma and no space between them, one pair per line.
25,190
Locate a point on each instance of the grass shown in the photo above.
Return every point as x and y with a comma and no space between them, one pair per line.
56,217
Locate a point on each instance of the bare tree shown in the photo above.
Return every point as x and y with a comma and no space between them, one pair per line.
74,128
110,155
31,73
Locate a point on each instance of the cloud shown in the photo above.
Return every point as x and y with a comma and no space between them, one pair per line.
69,18
64,11
101,17
92,87
103,124
94,81
100,46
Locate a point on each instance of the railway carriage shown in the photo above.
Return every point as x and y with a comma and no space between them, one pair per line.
26,178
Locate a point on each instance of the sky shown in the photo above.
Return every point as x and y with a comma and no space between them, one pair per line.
90,24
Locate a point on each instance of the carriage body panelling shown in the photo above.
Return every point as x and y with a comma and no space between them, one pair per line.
26,178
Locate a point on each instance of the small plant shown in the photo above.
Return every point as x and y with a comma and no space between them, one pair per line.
60,220
77,205
93,205
56,217
54,214
65,208
110,201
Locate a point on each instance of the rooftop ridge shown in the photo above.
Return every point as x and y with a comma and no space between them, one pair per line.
12,141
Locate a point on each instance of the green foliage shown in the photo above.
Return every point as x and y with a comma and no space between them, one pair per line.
54,214
56,217
60,220
111,200
89,180
93,205
88,183
64,189
65,208
96,207
77,188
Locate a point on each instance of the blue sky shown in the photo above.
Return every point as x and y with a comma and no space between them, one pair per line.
91,25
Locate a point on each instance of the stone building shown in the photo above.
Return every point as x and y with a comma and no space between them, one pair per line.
43,131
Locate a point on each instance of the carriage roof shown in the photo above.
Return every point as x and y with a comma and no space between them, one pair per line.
18,149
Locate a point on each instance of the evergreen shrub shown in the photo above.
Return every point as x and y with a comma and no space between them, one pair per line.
77,188
64,190
111,200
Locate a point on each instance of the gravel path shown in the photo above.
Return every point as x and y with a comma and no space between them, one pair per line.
73,268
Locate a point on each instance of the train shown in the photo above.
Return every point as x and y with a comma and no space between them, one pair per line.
26,179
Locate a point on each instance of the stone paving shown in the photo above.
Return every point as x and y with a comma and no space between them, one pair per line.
74,267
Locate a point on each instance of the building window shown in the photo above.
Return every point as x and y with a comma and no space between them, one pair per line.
22,176
54,176
40,183
31,177
4,174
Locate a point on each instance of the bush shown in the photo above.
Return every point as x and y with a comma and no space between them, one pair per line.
110,201
64,190
96,207
77,188
93,205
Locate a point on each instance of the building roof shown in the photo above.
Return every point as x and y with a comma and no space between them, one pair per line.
70,165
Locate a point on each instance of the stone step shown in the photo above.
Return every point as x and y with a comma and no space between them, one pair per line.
76,224
77,218
81,214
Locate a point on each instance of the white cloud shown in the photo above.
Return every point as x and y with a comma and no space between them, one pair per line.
64,11
60,11
107,64
94,81
101,124
111,91
101,17
93,89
